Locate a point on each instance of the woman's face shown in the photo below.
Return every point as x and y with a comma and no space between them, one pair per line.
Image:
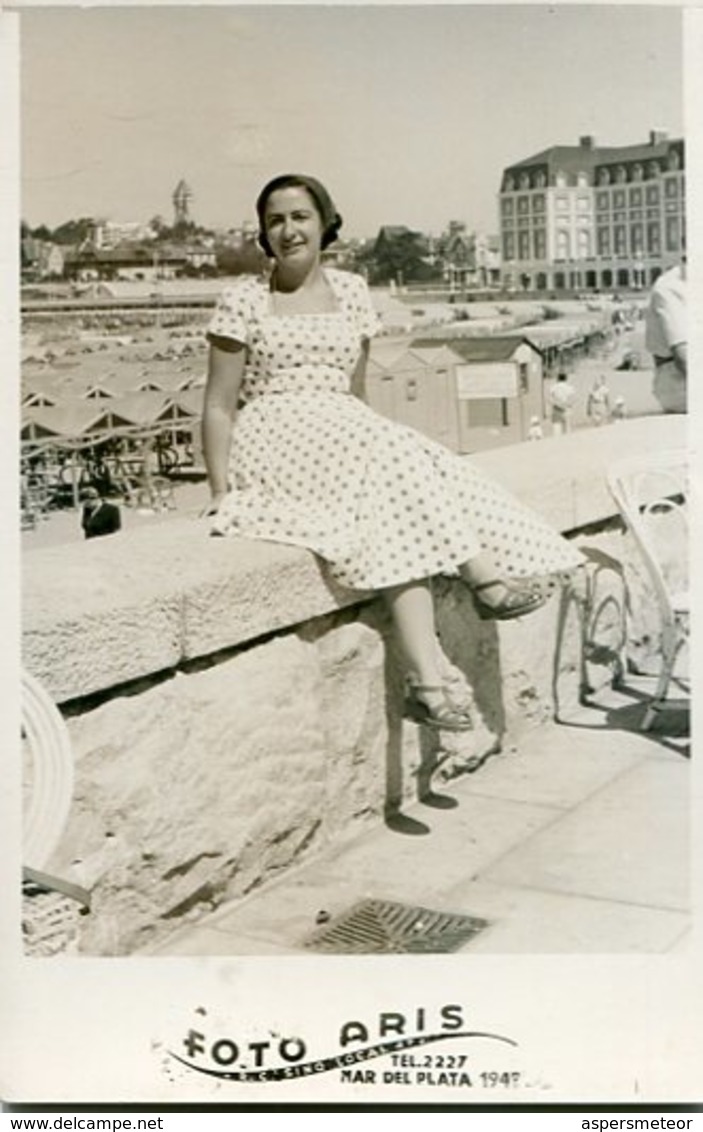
293,226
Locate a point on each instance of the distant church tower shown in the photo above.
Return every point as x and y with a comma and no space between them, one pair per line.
182,196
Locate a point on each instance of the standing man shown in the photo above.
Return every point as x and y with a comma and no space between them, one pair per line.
666,338
99,516
561,401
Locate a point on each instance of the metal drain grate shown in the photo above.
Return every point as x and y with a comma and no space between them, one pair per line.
384,926
49,922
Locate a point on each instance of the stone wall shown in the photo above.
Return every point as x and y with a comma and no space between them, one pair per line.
232,713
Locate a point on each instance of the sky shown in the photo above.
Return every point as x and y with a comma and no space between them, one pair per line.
408,113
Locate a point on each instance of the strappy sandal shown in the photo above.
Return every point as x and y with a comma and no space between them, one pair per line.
519,600
444,717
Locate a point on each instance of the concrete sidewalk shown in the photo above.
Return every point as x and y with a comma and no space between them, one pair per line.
576,841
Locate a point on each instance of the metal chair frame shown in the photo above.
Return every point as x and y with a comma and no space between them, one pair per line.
638,505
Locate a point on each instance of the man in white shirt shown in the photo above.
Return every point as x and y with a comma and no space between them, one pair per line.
666,338
561,402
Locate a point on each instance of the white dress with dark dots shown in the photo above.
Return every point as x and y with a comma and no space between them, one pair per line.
313,466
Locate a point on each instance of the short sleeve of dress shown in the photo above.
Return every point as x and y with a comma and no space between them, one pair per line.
232,315
367,321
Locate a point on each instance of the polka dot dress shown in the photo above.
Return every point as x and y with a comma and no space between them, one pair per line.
312,466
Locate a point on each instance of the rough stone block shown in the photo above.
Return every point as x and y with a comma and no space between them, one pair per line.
193,791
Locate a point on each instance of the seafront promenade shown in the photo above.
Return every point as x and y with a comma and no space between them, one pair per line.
572,841
241,750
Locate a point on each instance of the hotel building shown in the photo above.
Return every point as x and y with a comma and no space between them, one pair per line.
591,218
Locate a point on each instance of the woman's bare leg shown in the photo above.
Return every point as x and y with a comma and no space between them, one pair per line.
412,611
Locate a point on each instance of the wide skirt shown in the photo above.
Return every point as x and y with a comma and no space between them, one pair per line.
380,503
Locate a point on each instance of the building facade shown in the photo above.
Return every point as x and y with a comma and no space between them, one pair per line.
468,259
592,218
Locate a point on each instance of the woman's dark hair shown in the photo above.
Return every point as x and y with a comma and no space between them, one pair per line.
331,220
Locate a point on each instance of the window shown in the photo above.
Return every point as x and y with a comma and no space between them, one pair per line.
524,180
673,161
523,205
540,180
653,169
523,377
581,179
602,201
673,234
540,243
523,245
563,244
411,389
583,204
619,199
508,246
637,171
652,194
620,175
487,413
636,197
670,188
603,177
637,238
620,234
563,203
507,207
653,238
603,239
560,179
538,202
584,244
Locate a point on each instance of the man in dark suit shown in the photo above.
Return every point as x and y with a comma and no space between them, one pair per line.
100,517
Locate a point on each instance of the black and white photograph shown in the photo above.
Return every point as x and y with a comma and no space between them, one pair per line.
347,481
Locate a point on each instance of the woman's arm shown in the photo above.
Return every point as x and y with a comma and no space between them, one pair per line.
226,363
358,377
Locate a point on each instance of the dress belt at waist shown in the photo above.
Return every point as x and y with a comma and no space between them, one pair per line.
662,361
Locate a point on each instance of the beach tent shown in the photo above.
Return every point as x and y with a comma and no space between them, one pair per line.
40,399
66,421
141,409
190,402
168,382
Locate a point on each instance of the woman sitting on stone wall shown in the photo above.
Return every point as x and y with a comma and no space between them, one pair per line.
295,456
